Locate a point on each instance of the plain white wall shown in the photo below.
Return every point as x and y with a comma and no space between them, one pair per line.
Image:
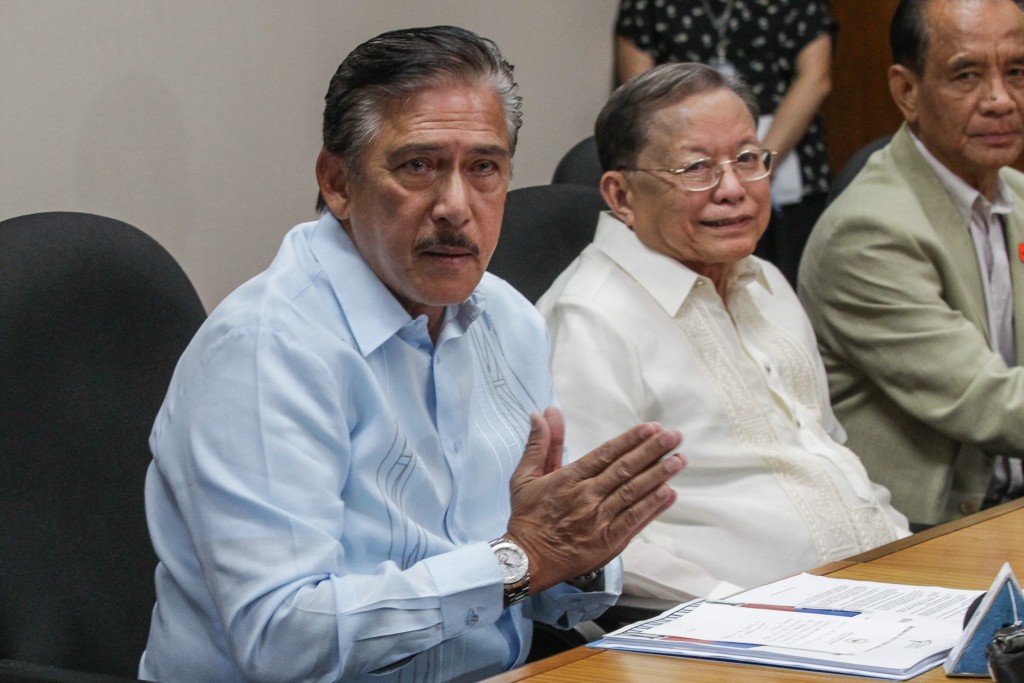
198,121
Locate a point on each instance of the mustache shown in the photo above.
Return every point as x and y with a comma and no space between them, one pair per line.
447,238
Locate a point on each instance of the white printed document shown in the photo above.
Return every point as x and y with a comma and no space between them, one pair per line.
810,622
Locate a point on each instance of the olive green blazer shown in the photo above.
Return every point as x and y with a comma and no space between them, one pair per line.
891,283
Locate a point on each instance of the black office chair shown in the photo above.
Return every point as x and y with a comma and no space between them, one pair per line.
93,317
545,227
580,165
852,167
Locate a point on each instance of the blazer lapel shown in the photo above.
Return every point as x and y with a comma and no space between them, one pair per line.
948,224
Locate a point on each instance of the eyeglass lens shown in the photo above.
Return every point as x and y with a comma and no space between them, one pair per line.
748,165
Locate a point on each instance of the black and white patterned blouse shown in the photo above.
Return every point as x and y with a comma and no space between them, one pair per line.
762,41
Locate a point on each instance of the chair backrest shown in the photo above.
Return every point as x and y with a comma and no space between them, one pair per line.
580,165
94,315
852,167
545,227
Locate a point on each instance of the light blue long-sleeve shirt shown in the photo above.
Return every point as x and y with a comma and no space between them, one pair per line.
325,481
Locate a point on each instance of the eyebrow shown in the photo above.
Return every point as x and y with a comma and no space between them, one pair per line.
413,149
961,63
705,154
964,63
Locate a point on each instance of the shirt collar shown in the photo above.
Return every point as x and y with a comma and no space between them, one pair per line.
963,195
373,313
667,280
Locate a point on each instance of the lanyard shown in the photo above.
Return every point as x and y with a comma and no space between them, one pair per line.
721,24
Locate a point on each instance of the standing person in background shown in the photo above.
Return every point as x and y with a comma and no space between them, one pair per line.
783,50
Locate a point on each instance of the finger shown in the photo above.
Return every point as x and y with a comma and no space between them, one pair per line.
557,445
634,462
638,487
641,498
597,460
631,520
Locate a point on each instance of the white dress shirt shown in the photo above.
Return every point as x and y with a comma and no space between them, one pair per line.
769,490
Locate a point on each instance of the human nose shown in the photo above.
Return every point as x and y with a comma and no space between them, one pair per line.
998,99
452,201
730,186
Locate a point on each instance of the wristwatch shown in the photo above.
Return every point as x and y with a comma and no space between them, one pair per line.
515,569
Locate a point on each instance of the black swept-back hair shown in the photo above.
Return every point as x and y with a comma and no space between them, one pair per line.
908,34
623,125
398,64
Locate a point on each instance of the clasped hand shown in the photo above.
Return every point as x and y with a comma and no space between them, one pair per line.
576,518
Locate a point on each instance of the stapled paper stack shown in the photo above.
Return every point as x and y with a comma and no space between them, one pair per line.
1002,605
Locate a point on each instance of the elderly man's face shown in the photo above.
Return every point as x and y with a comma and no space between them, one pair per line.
708,231
424,207
966,106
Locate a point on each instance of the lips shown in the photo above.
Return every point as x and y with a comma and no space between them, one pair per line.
998,136
726,222
449,251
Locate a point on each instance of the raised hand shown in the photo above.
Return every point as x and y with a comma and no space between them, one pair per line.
576,518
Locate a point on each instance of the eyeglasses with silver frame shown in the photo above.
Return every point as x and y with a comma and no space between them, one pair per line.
705,173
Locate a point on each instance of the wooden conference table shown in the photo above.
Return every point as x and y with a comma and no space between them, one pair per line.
963,554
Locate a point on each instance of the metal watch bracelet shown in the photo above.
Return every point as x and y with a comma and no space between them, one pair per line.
584,580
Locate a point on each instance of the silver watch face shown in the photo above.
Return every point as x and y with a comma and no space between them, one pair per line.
512,560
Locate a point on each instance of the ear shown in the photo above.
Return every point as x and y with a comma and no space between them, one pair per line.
904,88
332,177
618,194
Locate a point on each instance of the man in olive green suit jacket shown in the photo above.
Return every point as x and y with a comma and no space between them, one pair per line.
892,283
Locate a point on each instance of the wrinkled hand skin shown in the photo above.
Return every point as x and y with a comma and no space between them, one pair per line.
576,518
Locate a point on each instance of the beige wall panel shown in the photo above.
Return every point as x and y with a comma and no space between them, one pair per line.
198,120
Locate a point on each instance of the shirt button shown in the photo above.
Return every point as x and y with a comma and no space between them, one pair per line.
472,618
968,507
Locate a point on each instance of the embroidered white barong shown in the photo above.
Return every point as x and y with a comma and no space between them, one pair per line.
769,490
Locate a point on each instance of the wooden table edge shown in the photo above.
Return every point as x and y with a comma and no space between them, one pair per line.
546,664
576,654
934,532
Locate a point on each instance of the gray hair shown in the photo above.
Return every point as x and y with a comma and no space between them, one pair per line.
398,64
624,122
